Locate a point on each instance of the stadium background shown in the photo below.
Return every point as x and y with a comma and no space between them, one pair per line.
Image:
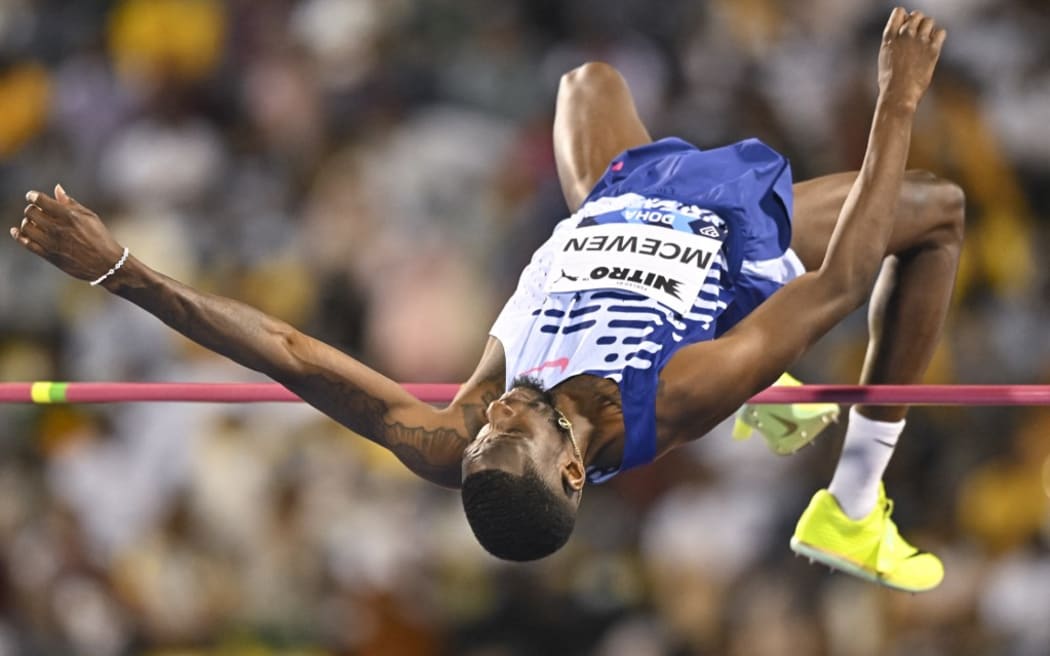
377,172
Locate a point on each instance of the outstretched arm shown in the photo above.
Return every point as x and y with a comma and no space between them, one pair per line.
427,440
712,379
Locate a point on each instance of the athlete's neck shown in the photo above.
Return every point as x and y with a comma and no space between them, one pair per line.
592,404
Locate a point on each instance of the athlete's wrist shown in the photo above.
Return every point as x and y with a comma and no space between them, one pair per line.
895,103
130,275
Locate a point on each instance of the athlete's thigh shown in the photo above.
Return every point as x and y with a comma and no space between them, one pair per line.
595,120
819,201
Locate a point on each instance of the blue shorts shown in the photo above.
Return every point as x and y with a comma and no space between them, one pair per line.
747,183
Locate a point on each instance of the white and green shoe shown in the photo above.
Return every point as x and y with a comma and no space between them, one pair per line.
786,428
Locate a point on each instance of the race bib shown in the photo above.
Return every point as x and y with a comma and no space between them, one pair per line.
666,265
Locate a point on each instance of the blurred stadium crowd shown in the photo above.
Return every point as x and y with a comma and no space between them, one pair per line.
376,172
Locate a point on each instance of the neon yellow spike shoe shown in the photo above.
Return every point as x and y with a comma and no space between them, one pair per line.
870,548
786,428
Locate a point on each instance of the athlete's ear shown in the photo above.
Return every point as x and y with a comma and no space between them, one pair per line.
573,476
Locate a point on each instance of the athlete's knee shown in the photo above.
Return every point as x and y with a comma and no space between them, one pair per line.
952,203
592,76
943,201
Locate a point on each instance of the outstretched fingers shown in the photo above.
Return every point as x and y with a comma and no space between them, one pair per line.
50,207
911,24
925,29
67,234
62,197
31,232
41,214
939,35
915,24
24,237
36,214
895,23
31,228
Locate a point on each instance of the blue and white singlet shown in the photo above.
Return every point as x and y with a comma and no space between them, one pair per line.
674,245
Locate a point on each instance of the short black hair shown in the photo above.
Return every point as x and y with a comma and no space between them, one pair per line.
534,384
516,517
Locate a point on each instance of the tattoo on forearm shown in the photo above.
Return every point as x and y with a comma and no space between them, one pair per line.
348,404
433,453
428,452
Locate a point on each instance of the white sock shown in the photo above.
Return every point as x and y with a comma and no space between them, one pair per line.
866,452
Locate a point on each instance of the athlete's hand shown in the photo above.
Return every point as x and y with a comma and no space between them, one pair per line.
911,44
67,234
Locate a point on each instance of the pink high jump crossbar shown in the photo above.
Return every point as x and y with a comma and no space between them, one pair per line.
57,392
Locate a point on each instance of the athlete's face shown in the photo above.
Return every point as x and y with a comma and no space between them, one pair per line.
521,430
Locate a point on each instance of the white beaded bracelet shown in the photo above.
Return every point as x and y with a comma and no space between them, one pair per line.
120,263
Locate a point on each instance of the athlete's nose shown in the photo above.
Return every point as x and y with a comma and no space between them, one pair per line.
499,409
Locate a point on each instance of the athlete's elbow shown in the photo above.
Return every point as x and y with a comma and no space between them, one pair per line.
283,358
592,74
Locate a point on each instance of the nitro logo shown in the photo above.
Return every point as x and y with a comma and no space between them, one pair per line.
649,279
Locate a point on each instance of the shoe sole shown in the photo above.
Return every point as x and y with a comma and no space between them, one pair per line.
778,445
847,566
